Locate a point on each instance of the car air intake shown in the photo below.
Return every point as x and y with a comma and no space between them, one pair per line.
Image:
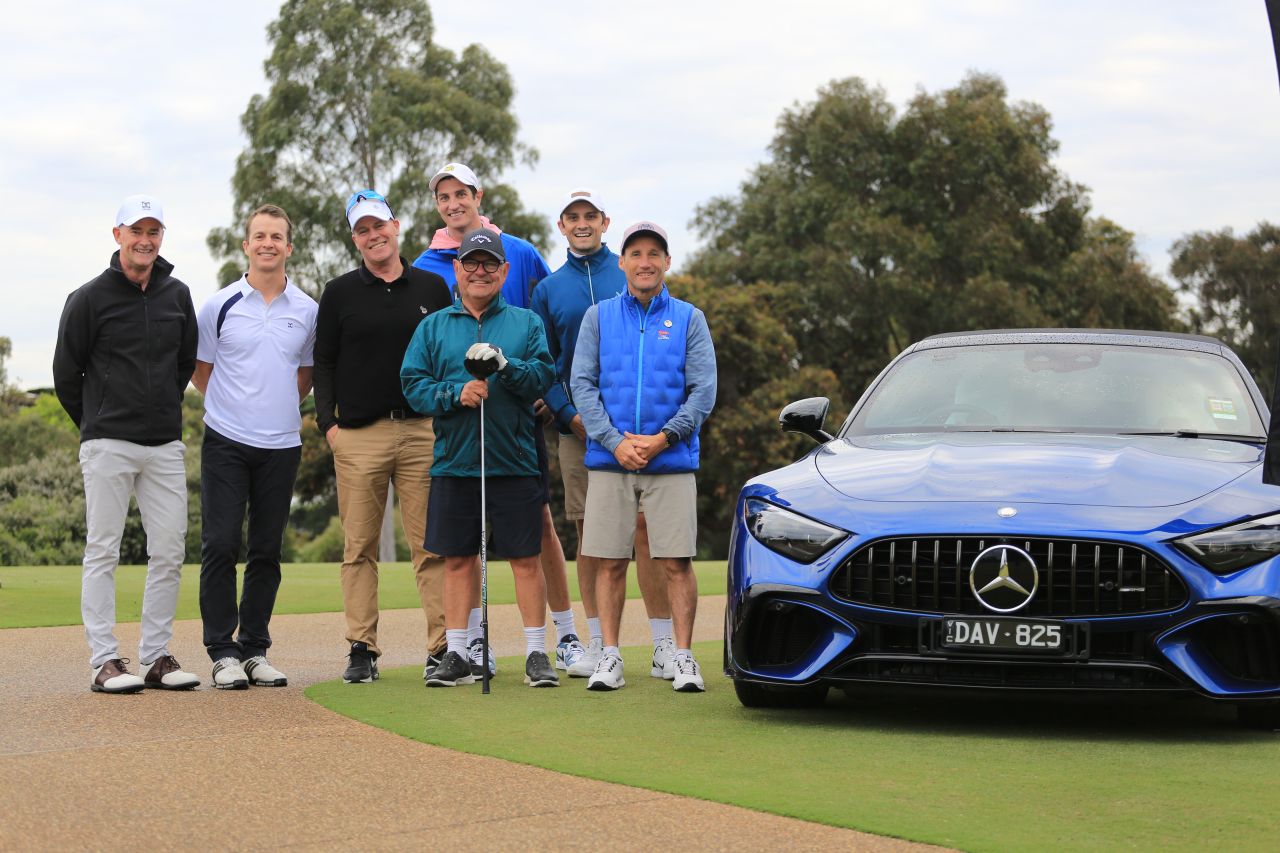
1077,577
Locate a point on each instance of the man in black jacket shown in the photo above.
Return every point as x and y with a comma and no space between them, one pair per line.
365,321
125,352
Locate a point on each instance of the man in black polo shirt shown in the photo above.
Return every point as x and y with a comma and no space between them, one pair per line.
365,322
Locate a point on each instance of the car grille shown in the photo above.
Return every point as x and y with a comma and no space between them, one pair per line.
1026,675
1078,577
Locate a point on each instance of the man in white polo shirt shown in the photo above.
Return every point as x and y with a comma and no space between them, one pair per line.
254,366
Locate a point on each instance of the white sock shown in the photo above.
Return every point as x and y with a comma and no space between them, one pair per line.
684,653
593,628
564,623
474,631
457,639
535,639
612,650
660,628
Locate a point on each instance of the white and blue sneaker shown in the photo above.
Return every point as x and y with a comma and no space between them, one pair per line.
664,663
569,651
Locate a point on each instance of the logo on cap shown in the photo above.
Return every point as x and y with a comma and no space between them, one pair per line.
480,238
146,205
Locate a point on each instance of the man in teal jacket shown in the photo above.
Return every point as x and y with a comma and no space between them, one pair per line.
481,325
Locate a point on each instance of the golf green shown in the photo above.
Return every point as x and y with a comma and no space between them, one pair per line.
41,596
985,773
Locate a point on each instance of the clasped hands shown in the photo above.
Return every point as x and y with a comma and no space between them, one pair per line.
635,451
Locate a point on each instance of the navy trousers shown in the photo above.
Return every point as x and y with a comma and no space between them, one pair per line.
235,477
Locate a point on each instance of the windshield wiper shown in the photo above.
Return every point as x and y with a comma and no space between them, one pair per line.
1218,436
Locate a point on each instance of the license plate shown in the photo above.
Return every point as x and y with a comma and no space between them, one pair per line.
1006,635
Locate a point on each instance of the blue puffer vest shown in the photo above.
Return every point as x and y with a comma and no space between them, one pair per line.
642,383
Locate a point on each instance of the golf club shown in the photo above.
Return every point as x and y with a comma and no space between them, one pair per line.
482,369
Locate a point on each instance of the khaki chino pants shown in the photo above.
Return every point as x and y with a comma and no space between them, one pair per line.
365,460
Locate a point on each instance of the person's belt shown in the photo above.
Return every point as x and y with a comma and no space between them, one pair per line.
405,415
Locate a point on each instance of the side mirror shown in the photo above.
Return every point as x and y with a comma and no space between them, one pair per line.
806,416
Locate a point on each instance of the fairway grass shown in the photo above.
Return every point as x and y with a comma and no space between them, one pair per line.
985,773
43,596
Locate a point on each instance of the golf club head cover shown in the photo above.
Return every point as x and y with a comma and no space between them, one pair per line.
483,360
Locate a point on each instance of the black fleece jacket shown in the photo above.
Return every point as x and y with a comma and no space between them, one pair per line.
124,355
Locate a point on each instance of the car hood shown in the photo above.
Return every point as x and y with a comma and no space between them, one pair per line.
1099,470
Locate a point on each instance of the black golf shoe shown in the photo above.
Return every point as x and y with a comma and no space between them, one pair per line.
452,671
538,671
362,666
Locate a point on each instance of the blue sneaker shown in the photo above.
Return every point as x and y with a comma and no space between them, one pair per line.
569,651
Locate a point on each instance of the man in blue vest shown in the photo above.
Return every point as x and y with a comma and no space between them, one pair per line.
644,380
590,274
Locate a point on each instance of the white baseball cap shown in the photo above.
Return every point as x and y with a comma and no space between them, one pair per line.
138,207
461,171
589,196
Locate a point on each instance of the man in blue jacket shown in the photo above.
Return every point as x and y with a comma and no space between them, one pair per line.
644,380
458,196
589,275
481,325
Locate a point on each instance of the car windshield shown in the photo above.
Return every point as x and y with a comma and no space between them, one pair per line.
1061,387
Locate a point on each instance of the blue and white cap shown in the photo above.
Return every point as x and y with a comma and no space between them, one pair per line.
368,203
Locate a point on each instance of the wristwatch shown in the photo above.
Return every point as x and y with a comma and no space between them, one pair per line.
671,437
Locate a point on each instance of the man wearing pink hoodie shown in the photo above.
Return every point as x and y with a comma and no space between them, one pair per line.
458,195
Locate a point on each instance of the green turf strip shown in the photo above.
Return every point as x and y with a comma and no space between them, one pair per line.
39,596
986,773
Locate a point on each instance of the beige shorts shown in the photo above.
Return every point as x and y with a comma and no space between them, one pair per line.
669,503
571,452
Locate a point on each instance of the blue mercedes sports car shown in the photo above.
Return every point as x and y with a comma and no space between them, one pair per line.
1064,510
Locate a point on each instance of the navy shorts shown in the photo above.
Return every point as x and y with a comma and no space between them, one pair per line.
515,516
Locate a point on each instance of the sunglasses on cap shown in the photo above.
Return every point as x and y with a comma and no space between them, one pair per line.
366,195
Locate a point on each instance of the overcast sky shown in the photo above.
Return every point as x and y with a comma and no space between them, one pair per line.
1168,111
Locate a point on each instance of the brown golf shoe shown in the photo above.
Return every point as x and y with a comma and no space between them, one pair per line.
163,673
114,677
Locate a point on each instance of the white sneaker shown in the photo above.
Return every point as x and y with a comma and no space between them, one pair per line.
263,674
608,674
229,675
688,677
585,666
664,654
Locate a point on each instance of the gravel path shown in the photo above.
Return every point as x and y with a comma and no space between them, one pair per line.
265,769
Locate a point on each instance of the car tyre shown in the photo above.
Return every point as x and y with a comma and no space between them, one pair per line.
1259,715
753,695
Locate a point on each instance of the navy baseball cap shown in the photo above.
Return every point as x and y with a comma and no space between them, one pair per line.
482,240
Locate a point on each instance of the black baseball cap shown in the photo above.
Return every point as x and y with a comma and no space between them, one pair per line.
482,240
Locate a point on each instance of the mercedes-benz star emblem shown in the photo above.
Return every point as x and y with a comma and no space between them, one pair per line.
1004,578
1006,512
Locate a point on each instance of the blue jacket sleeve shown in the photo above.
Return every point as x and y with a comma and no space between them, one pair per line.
557,396
586,383
426,394
529,378
699,380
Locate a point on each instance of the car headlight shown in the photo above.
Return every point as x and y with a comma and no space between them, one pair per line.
801,539
1230,549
